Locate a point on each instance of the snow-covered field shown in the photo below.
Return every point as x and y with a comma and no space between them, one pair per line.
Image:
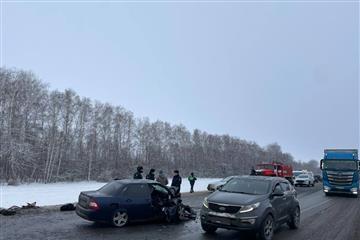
61,193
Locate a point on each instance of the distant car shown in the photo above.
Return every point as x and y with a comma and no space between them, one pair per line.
252,203
304,179
297,173
311,174
122,201
216,185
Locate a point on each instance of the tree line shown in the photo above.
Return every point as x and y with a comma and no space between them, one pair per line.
52,136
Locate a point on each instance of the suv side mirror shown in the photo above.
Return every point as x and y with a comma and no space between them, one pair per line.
277,193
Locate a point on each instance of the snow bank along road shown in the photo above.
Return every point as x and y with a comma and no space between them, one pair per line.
60,193
336,218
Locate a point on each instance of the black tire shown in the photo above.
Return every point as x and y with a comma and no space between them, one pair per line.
119,218
208,228
267,228
294,221
327,194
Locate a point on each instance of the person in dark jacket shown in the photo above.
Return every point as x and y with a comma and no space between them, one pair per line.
192,180
176,181
138,174
151,175
253,172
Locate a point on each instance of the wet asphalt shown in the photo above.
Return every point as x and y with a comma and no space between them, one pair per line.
335,218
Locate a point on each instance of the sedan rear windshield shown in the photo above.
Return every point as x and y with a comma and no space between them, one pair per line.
227,179
247,186
111,189
303,176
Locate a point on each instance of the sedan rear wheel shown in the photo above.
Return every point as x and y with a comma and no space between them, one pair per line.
267,228
120,218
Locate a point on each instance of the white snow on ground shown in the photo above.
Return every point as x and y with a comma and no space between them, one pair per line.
65,192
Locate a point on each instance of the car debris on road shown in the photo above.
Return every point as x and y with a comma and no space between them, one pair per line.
68,207
14,209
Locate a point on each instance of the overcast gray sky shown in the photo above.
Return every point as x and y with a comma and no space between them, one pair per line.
267,72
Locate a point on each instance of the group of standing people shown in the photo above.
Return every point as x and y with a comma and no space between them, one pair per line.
161,178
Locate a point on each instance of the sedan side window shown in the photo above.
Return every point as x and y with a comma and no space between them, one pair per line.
136,191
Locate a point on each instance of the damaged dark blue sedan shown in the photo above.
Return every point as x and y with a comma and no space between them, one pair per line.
122,201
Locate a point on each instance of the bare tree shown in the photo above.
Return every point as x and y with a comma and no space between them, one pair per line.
56,136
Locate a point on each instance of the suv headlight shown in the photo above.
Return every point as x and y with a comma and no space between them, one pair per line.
205,203
249,208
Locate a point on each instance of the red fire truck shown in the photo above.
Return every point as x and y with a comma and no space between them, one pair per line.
275,169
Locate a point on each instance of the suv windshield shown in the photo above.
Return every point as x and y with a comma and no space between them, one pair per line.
111,188
247,186
340,165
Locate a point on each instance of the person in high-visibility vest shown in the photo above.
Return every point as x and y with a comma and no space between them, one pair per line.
192,180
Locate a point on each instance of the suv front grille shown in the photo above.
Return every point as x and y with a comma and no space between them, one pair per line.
224,208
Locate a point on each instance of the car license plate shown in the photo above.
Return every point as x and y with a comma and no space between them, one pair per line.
223,221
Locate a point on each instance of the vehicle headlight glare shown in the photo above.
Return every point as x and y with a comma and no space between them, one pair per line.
249,208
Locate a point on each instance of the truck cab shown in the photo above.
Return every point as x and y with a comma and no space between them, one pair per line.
340,171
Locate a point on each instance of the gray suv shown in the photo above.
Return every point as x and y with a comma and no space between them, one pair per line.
255,203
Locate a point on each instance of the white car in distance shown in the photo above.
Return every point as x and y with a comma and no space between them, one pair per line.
304,180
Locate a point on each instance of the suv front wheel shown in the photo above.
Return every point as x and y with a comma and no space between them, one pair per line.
208,228
267,228
294,221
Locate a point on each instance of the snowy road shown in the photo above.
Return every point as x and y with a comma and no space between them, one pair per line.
335,218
